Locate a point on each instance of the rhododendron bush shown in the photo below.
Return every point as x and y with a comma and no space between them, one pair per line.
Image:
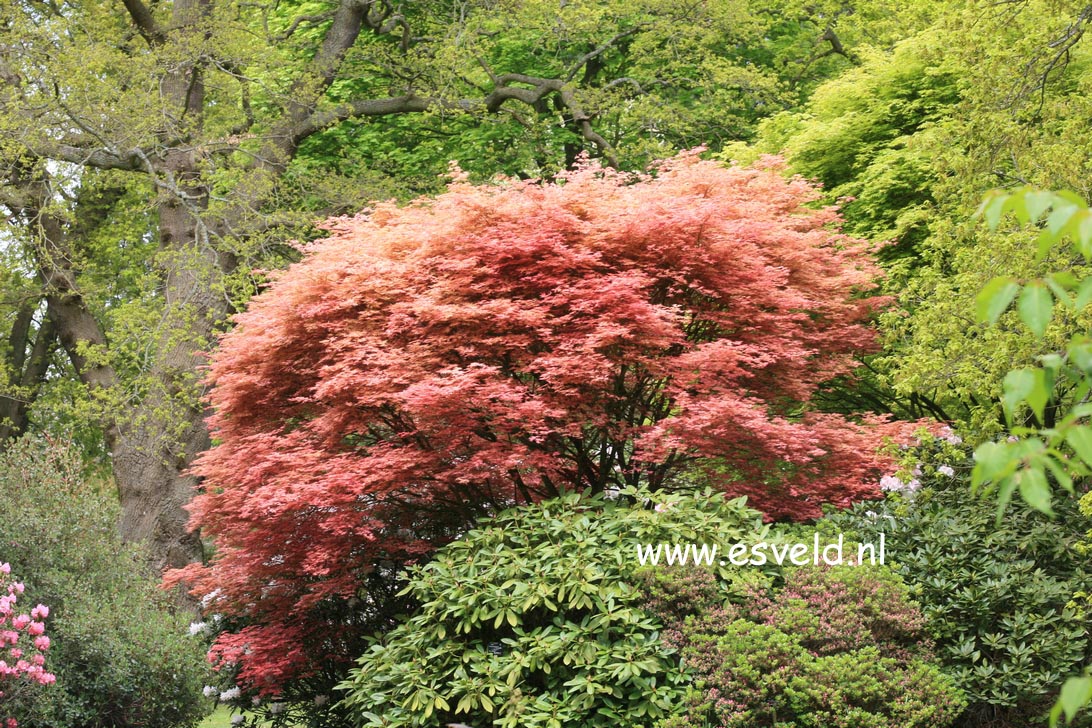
429,364
23,644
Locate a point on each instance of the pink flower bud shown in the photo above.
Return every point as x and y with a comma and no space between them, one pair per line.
36,628
40,612
42,643
21,621
5,568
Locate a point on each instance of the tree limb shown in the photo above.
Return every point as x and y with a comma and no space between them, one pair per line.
144,22
491,102
599,50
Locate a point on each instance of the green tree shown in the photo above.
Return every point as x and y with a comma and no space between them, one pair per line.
911,140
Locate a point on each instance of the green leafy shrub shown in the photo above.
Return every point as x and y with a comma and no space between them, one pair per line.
121,656
533,620
995,595
832,647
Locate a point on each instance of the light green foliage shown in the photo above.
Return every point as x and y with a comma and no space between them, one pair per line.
533,620
867,134
663,77
1063,380
1062,452
916,135
1002,130
121,655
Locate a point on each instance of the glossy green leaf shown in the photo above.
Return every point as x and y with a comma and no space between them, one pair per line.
1036,306
993,209
1037,202
1076,693
1035,490
1018,385
995,297
1079,438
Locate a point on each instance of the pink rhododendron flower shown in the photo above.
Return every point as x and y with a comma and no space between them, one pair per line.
21,662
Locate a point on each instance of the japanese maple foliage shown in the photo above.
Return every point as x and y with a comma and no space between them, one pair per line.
428,364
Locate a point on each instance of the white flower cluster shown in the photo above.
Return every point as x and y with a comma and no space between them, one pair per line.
891,484
210,598
948,435
229,695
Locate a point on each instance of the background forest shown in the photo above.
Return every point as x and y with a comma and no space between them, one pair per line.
387,332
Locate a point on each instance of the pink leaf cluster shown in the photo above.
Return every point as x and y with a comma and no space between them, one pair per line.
22,661
430,363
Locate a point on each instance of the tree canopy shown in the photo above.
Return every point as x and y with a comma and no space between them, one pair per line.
429,364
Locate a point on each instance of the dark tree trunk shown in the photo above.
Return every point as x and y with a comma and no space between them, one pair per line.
157,441
27,371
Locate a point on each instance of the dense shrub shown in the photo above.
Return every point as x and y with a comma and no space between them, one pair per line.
120,655
834,647
532,620
994,594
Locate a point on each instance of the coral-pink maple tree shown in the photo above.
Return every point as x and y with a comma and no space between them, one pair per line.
428,363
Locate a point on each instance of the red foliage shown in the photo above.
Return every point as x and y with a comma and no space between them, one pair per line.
426,364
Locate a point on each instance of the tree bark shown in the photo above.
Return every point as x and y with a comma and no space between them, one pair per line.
27,373
165,431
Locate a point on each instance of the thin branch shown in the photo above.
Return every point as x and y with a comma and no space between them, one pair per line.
598,51
314,18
